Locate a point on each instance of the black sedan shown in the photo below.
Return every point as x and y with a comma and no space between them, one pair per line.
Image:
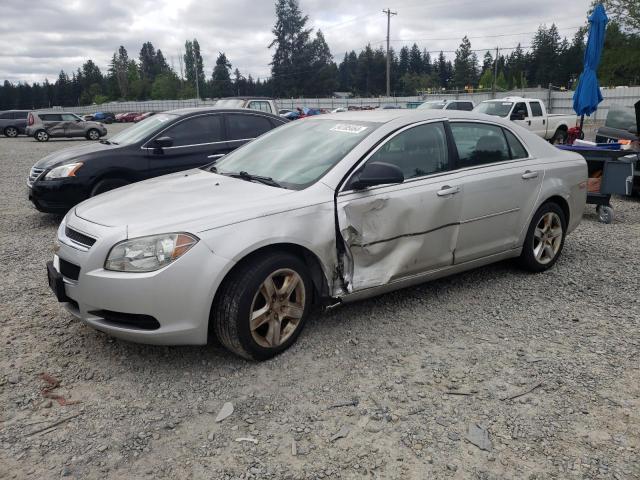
165,143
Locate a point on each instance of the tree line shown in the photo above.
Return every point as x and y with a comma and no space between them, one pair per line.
302,65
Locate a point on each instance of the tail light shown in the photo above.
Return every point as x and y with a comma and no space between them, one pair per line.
31,121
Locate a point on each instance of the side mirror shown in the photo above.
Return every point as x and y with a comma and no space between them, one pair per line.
376,173
163,142
517,116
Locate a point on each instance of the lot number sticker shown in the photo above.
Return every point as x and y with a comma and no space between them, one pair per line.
345,128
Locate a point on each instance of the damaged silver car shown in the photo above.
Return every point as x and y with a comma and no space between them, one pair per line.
328,209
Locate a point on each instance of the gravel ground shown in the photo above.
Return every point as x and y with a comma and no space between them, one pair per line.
491,374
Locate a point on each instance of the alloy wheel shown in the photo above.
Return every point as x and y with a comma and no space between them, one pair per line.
11,132
93,135
42,136
547,238
277,308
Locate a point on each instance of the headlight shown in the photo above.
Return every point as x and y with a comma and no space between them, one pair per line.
63,171
146,254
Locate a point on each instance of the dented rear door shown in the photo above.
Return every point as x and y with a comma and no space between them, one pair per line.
395,231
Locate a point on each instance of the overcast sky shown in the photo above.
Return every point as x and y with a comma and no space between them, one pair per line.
41,37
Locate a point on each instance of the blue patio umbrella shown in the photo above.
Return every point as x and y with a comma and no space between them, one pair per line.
587,96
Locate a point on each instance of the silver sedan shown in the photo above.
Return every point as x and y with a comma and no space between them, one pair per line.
321,211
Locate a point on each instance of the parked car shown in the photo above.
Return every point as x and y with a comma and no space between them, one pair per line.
334,208
621,124
45,125
284,111
264,104
142,116
464,105
164,143
104,117
13,122
128,117
531,114
120,115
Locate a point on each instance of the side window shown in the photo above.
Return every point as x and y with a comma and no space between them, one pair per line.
419,151
20,115
195,131
244,127
260,105
517,150
466,106
521,108
67,117
5,116
50,117
479,143
536,109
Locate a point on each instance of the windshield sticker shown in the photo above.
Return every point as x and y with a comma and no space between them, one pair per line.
345,128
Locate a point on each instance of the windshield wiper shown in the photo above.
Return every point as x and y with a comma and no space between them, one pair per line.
254,178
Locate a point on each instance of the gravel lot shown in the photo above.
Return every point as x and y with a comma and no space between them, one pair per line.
541,371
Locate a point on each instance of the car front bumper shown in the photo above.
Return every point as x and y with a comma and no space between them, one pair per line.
57,196
170,306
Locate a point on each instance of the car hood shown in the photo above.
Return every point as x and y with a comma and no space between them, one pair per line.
72,154
191,201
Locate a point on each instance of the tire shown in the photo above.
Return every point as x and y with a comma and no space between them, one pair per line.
605,213
93,134
108,184
246,291
11,132
560,137
41,136
543,230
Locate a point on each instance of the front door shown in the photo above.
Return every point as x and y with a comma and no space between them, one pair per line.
73,126
196,140
395,231
500,186
521,108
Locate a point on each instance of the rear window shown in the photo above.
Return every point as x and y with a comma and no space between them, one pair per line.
622,118
463,106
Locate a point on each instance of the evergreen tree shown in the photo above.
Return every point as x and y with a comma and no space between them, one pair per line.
415,60
403,62
465,66
221,85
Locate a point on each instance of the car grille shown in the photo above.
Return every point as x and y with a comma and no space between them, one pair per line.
34,173
69,270
79,238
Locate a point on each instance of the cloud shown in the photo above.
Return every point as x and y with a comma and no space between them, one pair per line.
47,36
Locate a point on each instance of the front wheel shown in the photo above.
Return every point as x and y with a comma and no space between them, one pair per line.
545,238
261,308
41,136
93,134
11,132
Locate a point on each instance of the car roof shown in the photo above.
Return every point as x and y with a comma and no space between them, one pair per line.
245,98
189,111
407,116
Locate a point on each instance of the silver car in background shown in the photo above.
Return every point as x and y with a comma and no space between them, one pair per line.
328,209
45,125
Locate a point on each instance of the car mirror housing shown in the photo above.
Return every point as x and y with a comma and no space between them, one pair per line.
376,173
163,142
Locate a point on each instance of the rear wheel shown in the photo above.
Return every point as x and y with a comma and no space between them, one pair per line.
11,132
108,184
261,308
93,134
560,137
545,238
41,136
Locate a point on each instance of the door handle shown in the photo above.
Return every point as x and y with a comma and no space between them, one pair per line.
529,175
447,190
218,155
529,122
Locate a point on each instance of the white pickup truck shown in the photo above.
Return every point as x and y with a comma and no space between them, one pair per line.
532,115
264,104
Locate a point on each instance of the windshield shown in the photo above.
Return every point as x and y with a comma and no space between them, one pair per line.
229,103
623,118
143,129
497,109
298,154
432,106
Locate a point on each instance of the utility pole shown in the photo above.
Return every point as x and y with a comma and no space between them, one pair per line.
388,12
495,74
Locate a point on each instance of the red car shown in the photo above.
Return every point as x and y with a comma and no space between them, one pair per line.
128,117
143,116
